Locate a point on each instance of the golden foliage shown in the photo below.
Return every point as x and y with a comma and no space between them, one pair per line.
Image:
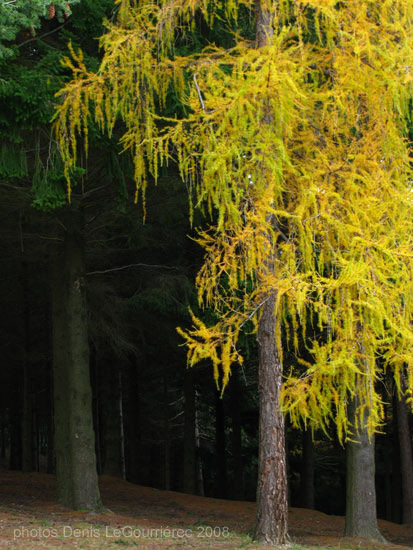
299,149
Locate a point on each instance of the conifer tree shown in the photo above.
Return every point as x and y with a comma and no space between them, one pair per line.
297,149
15,16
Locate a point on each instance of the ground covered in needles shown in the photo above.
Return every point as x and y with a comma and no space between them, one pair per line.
147,518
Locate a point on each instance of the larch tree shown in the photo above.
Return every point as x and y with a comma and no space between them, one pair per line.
294,142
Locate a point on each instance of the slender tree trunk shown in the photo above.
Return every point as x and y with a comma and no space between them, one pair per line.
307,471
77,484
51,462
27,421
110,406
396,481
133,442
95,381
361,512
272,495
199,472
189,433
121,427
15,458
166,442
237,492
272,500
406,459
3,437
220,448
27,417
388,486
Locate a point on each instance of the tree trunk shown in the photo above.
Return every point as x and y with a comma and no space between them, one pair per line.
166,441
220,448
199,472
396,481
189,433
237,492
51,461
109,414
27,416
15,458
406,459
272,496
121,427
272,500
307,471
3,436
77,484
133,429
361,512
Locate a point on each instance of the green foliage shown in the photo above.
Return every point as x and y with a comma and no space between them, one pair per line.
15,16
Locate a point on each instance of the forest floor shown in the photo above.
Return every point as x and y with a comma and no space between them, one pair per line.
149,519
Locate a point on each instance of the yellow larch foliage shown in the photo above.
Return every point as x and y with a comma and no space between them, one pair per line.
314,205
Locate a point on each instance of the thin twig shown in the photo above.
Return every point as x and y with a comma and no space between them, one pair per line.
42,36
98,272
255,311
199,92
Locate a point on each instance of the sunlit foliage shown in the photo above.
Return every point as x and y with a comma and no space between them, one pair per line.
298,152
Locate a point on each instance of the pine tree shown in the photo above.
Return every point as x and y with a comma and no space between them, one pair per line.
16,16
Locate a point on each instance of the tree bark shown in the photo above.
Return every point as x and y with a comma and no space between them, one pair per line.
199,471
27,417
272,499
237,465
396,481
77,484
15,458
307,471
3,436
220,448
133,429
406,460
51,460
189,433
167,439
361,512
121,427
272,496
110,405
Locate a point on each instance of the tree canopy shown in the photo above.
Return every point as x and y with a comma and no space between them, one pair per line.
298,151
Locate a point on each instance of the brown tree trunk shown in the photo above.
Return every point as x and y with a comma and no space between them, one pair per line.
121,426
237,492
361,512
272,499
406,460
167,439
396,478
307,471
220,448
189,433
27,416
77,484
51,462
199,471
272,495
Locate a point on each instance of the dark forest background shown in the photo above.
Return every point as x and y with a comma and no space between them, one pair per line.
156,423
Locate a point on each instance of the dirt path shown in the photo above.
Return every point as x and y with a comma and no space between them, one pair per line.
149,518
